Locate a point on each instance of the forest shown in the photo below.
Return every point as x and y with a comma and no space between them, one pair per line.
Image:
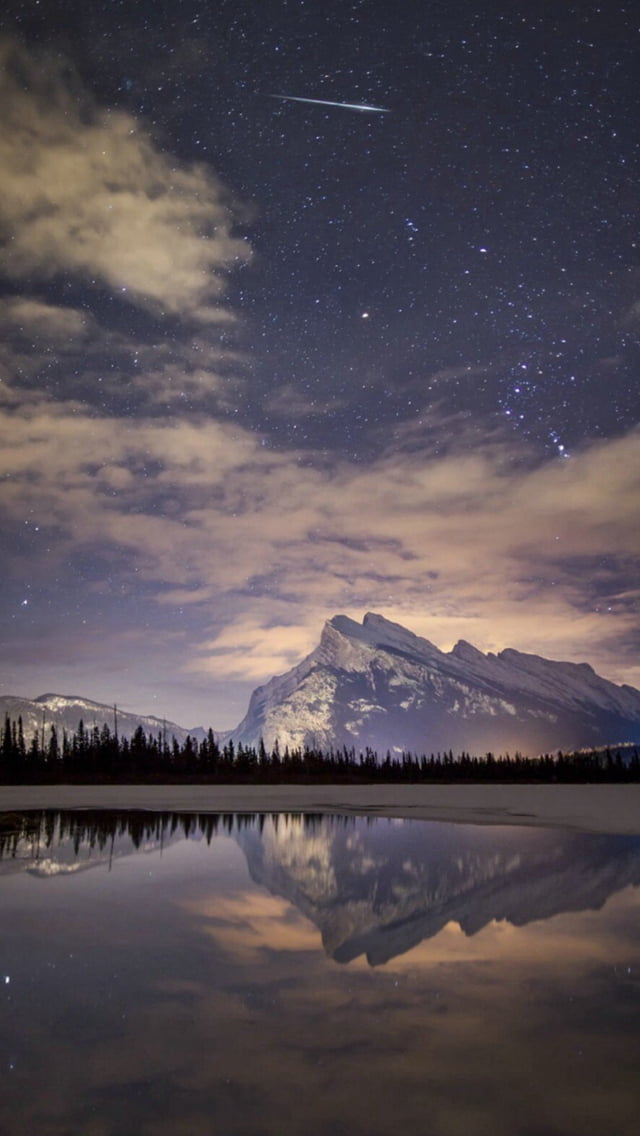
98,755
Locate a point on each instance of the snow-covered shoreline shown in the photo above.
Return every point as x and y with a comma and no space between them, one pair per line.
583,808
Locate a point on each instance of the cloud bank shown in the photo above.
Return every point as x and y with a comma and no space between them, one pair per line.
85,191
472,544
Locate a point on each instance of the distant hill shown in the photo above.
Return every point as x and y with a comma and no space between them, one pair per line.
64,711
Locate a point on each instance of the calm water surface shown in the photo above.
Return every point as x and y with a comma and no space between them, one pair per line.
282,975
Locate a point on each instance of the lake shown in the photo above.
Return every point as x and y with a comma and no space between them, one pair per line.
278,974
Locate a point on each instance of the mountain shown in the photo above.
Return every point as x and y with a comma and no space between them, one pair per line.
64,711
377,684
378,889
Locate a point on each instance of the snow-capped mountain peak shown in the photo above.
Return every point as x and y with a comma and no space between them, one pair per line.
378,684
376,631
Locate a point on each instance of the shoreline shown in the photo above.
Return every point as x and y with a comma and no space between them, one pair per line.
606,808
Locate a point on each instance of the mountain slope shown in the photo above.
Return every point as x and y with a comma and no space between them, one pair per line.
377,684
64,711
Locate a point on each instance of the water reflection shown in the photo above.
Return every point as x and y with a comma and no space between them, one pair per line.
379,890
372,888
167,973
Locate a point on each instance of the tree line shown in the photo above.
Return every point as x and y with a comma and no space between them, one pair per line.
99,755
100,829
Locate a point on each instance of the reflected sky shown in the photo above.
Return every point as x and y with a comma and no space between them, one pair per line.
287,974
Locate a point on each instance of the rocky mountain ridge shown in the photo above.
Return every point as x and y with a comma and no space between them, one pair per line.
377,684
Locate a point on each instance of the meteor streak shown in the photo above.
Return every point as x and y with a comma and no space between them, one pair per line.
325,102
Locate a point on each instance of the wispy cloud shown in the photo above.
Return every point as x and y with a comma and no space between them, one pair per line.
469,541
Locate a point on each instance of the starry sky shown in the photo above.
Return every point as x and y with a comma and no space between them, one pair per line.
264,360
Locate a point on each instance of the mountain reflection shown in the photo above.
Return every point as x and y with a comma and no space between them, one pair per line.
372,887
379,888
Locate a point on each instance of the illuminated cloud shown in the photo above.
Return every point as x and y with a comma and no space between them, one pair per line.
21,316
86,191
472,545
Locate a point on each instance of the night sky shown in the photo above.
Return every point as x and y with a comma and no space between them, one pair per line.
263,360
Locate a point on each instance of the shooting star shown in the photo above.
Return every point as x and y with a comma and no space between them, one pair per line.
325,102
